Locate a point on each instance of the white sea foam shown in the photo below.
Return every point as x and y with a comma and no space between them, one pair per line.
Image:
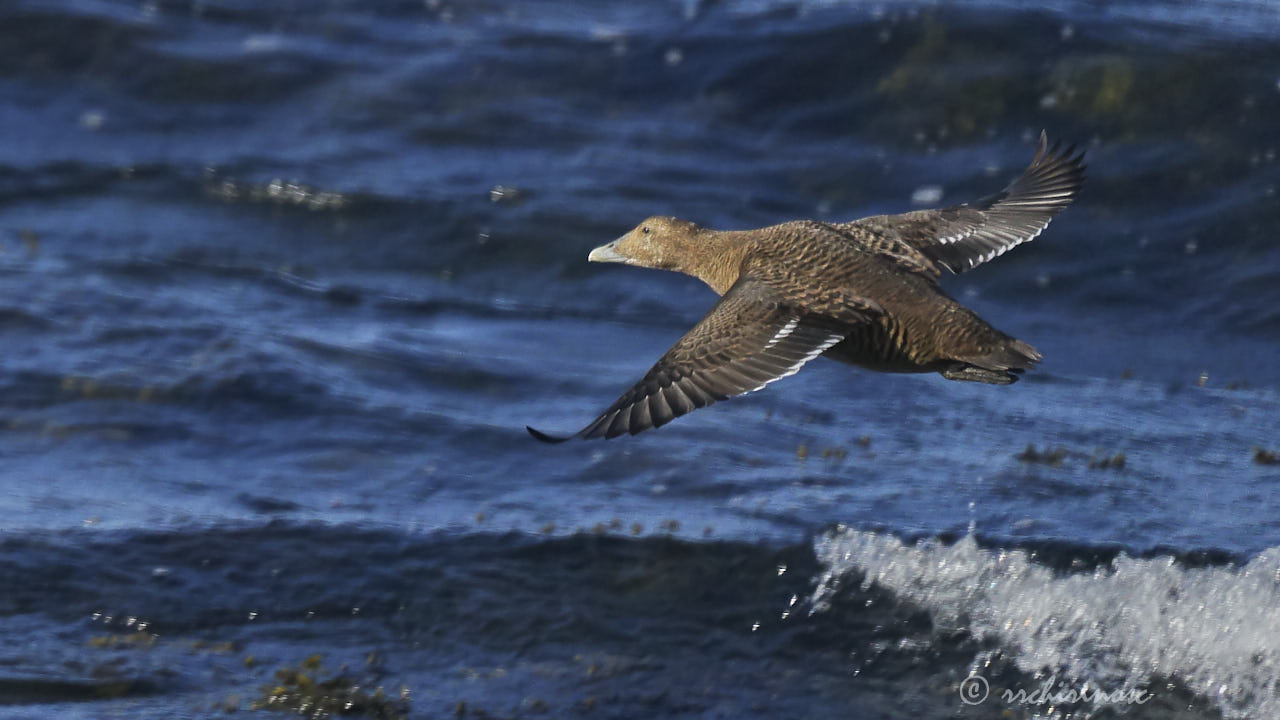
1216,630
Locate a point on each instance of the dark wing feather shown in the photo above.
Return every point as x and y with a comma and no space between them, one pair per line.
962,237
748,340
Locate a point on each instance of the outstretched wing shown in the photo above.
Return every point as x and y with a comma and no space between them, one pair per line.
962,237
748,340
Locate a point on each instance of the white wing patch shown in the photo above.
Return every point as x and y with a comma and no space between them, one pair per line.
976,261
947,240
783,333
825,346
1009,239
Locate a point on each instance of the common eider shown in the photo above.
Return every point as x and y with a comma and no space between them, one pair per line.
863,292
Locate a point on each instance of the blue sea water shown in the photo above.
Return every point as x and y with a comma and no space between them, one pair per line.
282,283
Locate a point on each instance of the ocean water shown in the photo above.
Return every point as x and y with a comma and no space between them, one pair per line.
282,283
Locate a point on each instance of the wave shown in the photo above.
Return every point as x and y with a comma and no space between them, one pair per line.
1126,624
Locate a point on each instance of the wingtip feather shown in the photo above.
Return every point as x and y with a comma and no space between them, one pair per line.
543,437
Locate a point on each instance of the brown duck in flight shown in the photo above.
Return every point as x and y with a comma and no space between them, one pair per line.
863,292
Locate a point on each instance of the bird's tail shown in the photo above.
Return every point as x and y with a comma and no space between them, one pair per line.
998,366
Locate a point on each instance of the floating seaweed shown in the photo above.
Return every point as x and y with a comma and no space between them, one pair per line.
311,691
1107,462
1051,457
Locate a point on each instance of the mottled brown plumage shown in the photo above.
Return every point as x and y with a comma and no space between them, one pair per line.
863,292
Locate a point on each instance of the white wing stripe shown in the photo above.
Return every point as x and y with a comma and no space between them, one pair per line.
825,346
782,334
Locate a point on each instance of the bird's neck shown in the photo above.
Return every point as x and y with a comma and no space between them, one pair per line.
718,260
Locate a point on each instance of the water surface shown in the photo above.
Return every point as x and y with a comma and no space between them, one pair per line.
281,285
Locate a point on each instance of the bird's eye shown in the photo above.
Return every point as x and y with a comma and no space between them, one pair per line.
644,229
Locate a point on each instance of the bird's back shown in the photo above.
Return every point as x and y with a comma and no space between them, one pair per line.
920,327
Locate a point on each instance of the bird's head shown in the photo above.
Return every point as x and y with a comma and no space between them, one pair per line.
665,243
